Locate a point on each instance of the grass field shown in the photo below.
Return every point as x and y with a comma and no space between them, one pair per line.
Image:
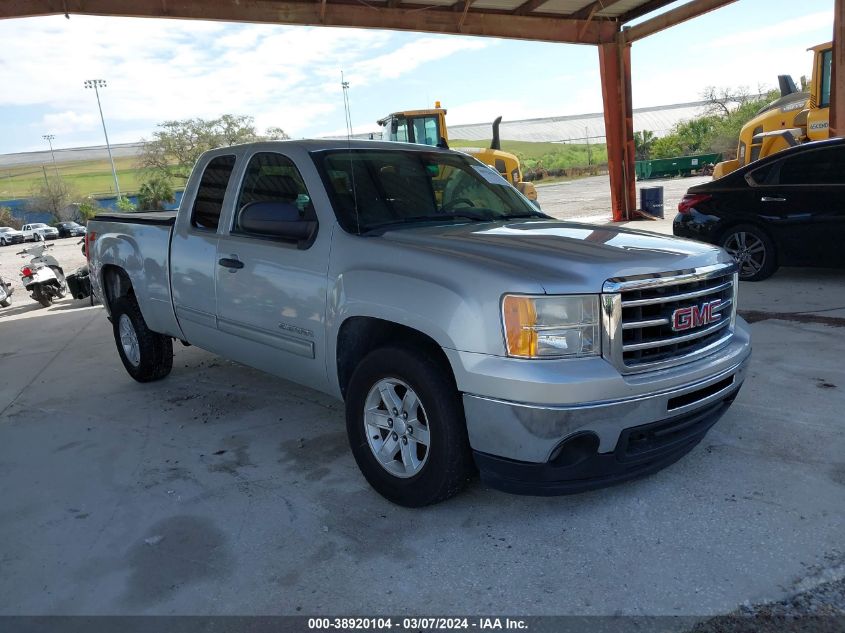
548,155
94,177
86,178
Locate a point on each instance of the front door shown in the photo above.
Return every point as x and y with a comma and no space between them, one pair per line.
271,293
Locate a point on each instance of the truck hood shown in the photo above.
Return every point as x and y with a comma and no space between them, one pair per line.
563,257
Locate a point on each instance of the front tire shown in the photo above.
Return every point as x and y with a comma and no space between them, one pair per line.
753,250
406,427
145,354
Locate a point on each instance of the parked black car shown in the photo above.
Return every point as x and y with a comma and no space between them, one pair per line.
70,229
785,209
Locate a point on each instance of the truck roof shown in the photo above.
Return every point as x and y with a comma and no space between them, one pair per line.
316,145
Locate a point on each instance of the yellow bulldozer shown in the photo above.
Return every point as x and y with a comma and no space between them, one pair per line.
796,117
428,127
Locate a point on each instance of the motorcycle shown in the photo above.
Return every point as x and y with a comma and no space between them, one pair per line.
5,294
43,277
78,282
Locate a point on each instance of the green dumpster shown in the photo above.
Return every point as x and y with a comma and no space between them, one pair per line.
678,166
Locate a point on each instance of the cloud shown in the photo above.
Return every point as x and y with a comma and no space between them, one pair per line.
407,58
172,69
67,122
774,32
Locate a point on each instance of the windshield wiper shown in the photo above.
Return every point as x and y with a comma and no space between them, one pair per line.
469,215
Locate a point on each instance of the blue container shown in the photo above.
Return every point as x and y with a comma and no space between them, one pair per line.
651,201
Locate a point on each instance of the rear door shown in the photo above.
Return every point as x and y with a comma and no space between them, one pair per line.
805,202
193,251
271,293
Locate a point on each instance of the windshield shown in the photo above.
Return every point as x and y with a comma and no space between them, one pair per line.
374,189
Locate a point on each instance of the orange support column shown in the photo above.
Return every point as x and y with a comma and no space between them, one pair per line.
615,66
837,79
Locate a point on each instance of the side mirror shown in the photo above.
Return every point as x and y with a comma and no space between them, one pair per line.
275,219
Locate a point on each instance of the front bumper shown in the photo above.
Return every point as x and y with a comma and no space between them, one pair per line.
641,450
557,449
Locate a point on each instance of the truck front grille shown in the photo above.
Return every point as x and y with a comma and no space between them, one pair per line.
668,319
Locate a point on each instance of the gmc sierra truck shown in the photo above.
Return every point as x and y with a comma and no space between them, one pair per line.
463,329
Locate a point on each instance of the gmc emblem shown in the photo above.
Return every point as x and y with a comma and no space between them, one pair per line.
696,316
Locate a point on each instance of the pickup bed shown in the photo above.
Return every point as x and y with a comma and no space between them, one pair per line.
465,330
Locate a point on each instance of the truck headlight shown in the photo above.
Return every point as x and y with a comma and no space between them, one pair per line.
551,326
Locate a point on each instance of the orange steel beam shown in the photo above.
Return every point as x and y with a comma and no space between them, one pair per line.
402,18
837,77
615,67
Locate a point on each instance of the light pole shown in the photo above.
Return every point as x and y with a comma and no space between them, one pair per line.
49,138
96,84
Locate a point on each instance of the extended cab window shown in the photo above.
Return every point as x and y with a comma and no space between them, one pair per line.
212,189
820,167
273,188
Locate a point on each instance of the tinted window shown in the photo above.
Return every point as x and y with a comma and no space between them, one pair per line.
425,130
271,177
824,98
759,176
820,167
212,188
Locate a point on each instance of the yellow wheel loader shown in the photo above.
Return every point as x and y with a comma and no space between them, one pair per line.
796,117
428,127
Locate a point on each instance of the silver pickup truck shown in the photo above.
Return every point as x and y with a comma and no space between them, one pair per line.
464,329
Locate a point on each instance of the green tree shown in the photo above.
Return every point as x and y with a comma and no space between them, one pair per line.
176,145
667,146
154,193
276,134
123,204
7,219
53,196
643,142
87,209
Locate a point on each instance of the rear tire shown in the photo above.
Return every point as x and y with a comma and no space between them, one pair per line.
41,297
424,390
145,354
752,249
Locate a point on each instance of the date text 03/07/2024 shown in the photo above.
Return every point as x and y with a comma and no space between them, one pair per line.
417,623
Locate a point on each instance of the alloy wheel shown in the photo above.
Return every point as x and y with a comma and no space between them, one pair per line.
129,341
397,427
748,251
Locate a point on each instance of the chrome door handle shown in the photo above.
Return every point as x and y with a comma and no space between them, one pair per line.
230,263
770,199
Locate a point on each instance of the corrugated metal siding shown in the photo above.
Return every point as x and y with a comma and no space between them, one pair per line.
659,120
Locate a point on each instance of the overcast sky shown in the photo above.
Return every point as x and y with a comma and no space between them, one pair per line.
290,76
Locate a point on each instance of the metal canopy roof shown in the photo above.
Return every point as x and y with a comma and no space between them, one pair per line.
573,21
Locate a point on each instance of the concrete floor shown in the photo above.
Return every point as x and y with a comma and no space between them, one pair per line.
589,198
221,490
